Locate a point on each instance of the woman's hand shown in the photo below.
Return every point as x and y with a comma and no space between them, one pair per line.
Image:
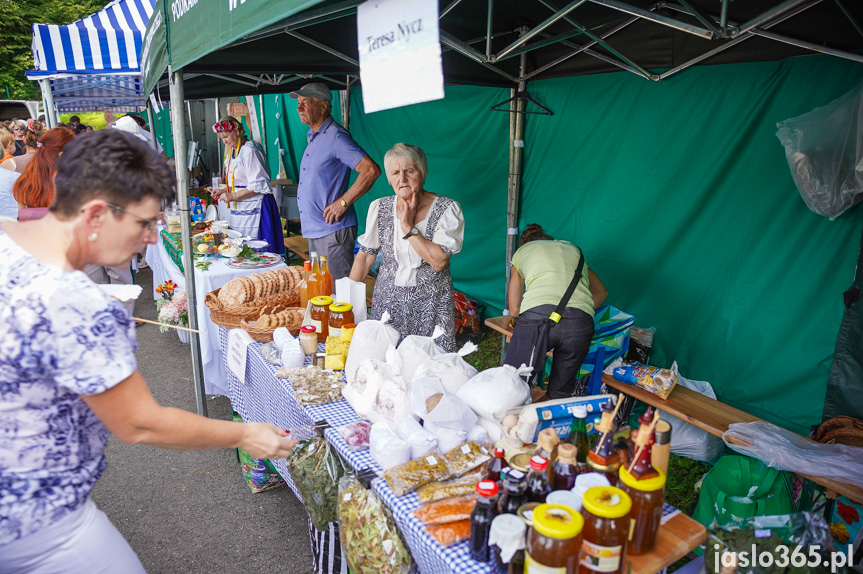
407,211
263,440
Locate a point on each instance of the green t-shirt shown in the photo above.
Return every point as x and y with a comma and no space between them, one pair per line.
547,268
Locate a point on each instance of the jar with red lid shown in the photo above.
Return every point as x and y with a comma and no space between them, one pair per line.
309,339
606,529
320,315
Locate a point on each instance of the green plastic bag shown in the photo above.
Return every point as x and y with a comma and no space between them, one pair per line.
740,487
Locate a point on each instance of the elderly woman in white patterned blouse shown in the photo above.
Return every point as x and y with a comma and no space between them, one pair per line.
418,231
68,373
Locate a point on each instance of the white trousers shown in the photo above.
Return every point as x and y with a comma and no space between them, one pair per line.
84,542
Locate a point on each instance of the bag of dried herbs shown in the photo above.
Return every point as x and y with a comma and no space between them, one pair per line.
371,541
316,468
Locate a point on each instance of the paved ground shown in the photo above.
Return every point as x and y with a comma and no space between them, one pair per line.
191,512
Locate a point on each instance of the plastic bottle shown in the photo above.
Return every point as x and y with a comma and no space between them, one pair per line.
495,465
578,433
480,519
514,493
304,285
314,277
327,282
538,485
565,468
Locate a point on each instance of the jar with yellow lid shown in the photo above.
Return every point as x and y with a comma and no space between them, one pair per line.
553,540
340,314
648,499
320,316
606,529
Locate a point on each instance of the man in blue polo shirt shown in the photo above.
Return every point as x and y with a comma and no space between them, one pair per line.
327,214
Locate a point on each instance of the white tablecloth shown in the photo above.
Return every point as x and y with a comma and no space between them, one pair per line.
216,276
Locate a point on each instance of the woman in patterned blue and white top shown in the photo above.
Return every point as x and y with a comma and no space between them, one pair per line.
68,374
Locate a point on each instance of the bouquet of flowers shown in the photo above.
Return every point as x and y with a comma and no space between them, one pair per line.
173,307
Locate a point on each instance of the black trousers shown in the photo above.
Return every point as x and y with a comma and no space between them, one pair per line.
569,339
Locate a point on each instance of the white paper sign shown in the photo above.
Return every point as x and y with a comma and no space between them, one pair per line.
400,56
238,349
156,107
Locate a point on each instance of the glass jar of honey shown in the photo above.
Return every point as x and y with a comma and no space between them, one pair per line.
340,314
648,499
553,540
606,529
320,315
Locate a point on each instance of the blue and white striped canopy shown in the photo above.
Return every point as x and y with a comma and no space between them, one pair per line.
92,64
108,41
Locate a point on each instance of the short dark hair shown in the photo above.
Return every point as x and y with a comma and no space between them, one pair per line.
534,232
74,119
112,165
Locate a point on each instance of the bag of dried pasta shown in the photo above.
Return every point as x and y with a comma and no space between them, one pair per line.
371,541
316,468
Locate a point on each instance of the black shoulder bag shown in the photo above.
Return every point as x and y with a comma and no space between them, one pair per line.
529,342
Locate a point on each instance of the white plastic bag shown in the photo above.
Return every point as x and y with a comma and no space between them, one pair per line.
415,349
386,447
292,353
450,411
393,400
370,341
478,434
493,391
447,439
785,450
451,368
686,439
282,336
421,441
362,391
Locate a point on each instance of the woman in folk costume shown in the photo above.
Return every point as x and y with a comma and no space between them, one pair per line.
253,208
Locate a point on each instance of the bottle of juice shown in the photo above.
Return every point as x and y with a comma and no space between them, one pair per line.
315,277
327,277
304,285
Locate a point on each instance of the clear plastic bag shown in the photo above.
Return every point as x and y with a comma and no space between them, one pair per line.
412,474
371,541
785,450
824,149
356,434
316,468
798,537
449,533
446,510
686,439
371,340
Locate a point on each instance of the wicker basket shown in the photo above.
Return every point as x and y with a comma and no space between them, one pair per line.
232,317
265,334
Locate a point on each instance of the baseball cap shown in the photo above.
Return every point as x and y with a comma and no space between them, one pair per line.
314,90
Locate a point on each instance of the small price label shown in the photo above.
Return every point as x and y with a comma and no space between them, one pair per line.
431,460
465,449
347,496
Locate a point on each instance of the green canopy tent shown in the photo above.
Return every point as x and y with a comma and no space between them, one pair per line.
504,44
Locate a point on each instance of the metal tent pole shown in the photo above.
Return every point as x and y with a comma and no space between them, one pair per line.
178,129
49,103
516,153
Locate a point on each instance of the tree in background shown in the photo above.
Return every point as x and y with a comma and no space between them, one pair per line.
16,36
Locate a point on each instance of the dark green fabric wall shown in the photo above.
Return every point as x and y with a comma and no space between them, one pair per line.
680,195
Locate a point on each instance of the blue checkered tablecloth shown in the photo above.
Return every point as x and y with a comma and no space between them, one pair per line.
266,398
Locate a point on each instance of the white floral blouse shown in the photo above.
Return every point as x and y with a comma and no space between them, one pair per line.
60,337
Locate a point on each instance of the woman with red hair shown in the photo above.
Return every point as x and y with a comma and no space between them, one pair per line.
35,187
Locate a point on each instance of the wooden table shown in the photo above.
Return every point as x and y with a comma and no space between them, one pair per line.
715,417
298,245
674,540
